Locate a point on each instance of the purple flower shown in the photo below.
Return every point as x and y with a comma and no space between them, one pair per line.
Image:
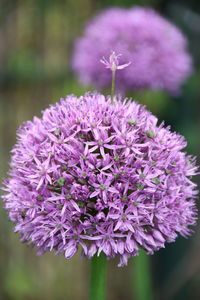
156,48
103,177
113,62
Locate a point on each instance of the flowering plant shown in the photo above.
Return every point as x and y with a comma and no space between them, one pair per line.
157,48
99,173
104,177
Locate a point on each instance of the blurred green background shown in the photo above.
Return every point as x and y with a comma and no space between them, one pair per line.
36,42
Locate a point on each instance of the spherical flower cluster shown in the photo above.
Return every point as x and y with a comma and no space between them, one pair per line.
102,177
156,48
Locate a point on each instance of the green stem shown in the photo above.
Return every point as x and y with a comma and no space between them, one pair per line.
98,278
142,275
113,87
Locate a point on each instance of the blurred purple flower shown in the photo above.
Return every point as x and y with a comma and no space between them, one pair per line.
100,176
157,48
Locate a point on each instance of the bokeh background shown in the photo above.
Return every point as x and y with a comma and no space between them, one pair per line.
36,43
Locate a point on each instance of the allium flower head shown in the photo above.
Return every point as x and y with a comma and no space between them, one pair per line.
103,177
156,48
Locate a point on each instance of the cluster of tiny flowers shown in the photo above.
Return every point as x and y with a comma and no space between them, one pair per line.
101,177
156,48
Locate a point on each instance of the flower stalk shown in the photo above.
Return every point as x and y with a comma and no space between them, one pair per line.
113,64
98,278
142,277
113,87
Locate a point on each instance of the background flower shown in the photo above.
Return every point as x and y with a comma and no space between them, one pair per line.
156,48
105,177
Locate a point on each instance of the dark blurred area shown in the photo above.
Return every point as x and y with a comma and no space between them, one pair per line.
36,43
